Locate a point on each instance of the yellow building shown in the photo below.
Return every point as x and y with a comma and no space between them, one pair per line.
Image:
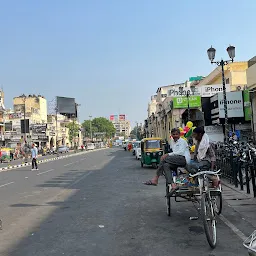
35,107
251,85
235,76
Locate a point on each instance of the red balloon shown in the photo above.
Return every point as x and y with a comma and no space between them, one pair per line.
186,129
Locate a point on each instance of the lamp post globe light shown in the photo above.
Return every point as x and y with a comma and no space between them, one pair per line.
211,55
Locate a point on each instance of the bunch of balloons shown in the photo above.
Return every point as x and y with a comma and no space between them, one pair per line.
187,131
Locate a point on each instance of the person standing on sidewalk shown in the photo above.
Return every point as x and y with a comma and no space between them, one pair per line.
34,155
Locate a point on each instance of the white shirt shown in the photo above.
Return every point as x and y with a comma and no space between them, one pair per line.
180,147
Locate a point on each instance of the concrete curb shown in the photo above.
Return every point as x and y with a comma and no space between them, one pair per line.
237,190
11,167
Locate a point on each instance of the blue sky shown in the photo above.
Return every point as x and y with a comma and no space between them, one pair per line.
112,55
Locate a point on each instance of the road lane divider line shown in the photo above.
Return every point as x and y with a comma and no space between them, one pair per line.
238,232
6,184
69,164
45,172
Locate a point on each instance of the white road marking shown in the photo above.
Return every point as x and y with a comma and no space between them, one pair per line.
6,184
69,164
45,172
75,182
238,232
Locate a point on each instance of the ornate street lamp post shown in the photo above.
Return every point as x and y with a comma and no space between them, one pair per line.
211,55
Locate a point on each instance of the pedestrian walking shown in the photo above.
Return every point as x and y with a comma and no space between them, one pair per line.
34,154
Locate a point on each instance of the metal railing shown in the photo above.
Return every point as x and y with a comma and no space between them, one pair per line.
238,166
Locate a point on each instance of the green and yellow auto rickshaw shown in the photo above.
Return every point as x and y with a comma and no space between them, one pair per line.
151,151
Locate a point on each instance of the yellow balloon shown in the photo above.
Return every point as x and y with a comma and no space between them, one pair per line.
184,138
193,128
181,129
189,124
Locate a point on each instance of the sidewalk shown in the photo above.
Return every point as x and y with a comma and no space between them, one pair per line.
242,203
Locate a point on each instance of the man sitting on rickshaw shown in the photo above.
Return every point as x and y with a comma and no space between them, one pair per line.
179,157
204,157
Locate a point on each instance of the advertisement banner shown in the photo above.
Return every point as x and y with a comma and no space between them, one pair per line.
121,117
38,129
112,118
16,115
247,106
184,102
210,90
234,104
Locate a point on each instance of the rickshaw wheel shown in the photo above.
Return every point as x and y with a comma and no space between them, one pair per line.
168,201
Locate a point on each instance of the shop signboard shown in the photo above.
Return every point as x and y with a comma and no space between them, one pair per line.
38,129
16,116
235,104
121,117
43,138
210,90
247,106
184,102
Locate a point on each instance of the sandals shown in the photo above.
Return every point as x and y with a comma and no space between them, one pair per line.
149,183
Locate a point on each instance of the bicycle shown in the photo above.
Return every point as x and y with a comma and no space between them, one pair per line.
208,198
250,244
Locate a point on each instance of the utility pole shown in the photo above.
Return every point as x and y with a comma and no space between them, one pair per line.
56,124
24,113
90,127
73,132
136,130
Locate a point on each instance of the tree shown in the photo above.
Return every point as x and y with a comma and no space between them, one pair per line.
102,124
73,130
87,128
137,133
99,124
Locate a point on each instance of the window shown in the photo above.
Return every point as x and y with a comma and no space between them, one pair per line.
163,95
153,144
227,81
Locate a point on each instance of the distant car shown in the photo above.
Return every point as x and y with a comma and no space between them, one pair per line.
90,146
137,150
136,144
63,149
138,153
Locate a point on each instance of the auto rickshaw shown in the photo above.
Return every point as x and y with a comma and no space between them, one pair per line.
151,151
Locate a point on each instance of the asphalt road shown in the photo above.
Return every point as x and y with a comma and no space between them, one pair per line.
95,204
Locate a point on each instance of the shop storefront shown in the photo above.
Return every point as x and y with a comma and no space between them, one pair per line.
189,108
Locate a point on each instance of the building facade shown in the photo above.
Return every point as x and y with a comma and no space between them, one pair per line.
35,107
235,76
251,86
171,109
121,124
175,104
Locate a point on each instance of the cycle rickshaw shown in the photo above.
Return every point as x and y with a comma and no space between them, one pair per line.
206,199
